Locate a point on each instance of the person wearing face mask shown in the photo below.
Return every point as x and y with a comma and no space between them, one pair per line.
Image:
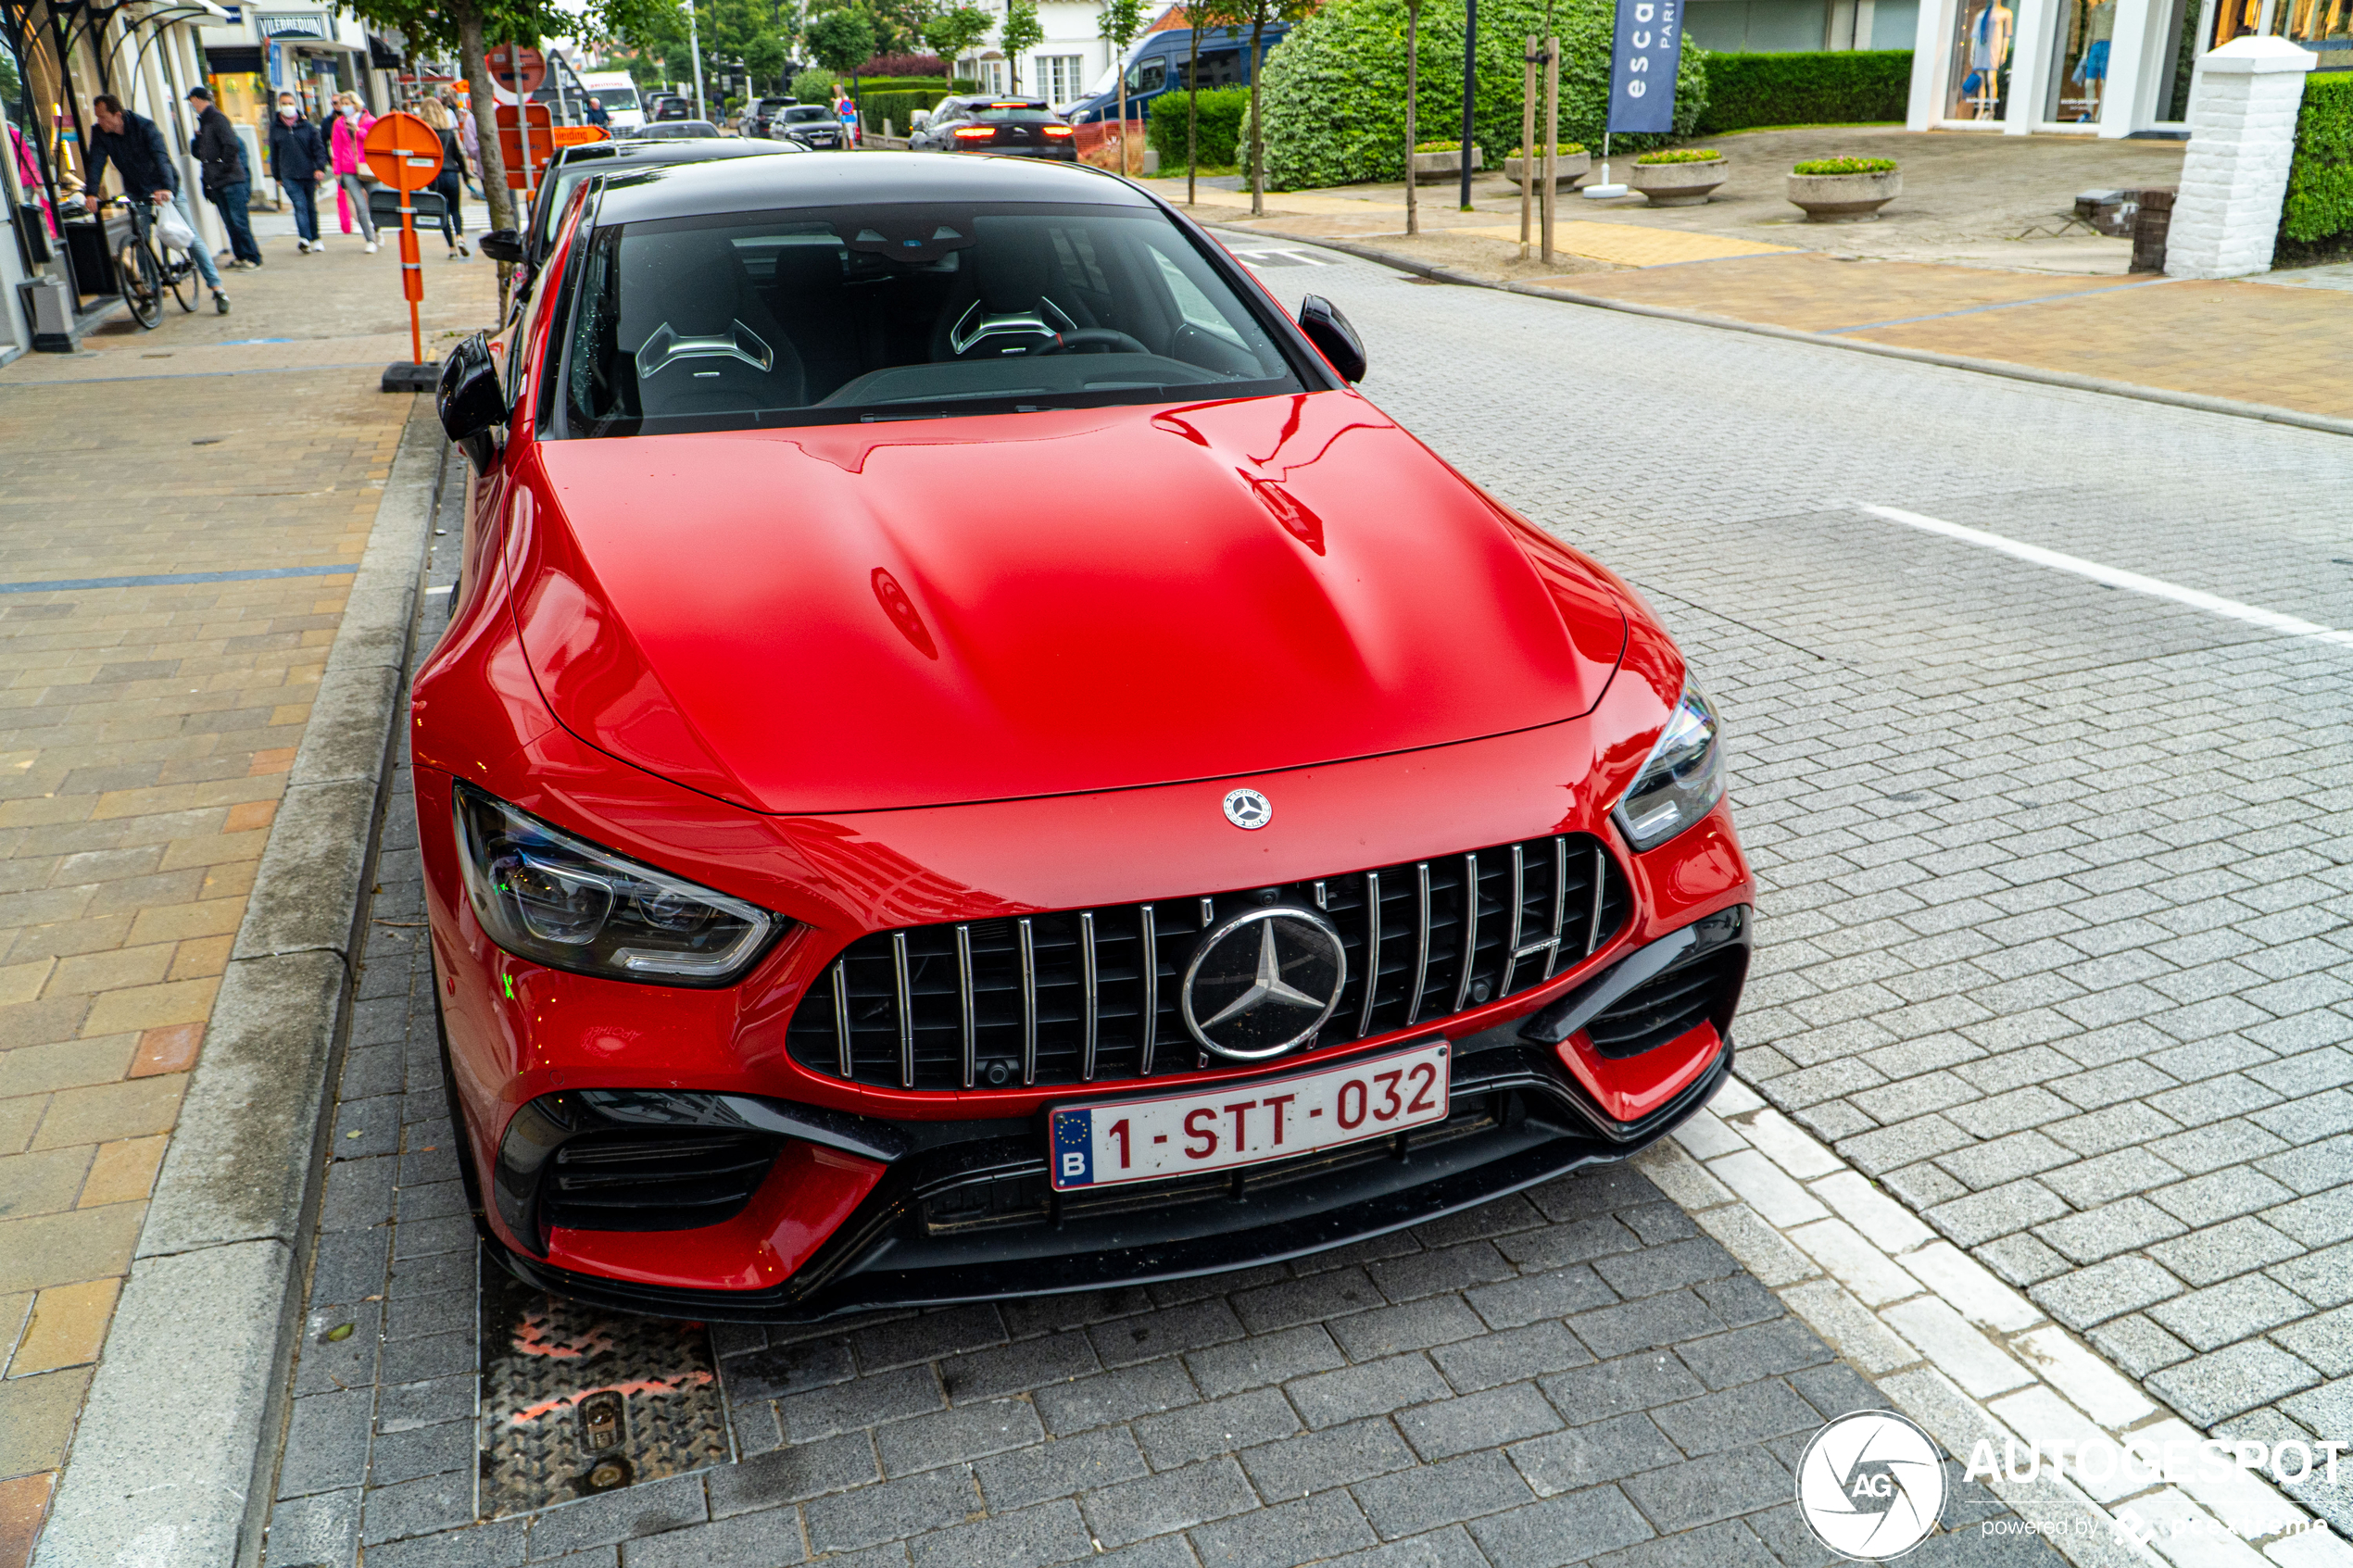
348,145
135,147
297,161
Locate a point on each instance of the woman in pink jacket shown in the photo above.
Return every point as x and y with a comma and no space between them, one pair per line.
347,146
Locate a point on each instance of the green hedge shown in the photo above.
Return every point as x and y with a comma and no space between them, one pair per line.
897,108
1334,93
2319,182
1847,87
1220,128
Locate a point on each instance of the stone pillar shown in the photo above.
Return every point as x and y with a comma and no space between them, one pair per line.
2243,105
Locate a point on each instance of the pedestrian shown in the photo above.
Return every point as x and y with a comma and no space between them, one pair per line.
29,173
846,110
228,184
597,115
450,183
135,147
297,161
348,145
469,142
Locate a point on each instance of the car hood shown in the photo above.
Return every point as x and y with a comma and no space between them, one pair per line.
839,618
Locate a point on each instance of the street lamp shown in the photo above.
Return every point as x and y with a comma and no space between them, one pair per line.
694,47
1470,96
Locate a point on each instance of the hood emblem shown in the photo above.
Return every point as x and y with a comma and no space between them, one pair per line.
1262,981
1248,808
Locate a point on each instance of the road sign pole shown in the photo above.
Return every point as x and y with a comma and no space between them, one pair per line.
412,275
405,153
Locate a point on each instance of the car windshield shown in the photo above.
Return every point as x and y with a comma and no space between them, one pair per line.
900,311
801,113
680,130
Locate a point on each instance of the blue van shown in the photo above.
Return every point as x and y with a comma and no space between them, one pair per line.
1159,65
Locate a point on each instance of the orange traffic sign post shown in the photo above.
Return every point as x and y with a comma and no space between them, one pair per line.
405,153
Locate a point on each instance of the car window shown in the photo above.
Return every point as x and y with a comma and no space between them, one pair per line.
902,311
805,113
1015,114
1147,76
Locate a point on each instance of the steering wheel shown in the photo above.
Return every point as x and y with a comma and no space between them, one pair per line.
1108,338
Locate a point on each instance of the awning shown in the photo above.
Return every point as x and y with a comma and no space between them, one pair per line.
381,53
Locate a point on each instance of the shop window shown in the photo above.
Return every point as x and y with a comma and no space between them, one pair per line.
1984,31
2079,83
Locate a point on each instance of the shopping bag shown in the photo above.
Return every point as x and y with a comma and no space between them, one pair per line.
171,230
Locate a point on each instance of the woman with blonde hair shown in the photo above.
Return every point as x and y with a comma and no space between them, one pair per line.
347,146
449,184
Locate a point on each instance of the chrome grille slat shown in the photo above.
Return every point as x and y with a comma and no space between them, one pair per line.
964,999
1052,999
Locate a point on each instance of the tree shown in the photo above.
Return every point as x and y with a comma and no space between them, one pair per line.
1258,15
1198,15
1119,21
953,32
842,40
1021,34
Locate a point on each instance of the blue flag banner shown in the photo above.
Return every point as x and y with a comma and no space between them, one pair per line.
1641,70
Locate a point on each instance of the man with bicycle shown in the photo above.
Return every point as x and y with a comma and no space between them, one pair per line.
135,147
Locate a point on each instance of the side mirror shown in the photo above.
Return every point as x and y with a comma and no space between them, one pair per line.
1331,334
470,402
502,244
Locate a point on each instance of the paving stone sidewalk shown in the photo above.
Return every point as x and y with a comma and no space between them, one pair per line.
146,733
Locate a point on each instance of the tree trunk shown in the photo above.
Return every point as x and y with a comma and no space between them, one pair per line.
1257,133
1192,114
484,102
1412,86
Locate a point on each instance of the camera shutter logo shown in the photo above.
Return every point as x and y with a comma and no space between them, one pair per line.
1871,1486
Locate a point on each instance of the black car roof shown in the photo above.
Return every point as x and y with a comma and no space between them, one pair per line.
660,152
869,177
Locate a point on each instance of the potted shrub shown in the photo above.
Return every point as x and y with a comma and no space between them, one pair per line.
1678,176
1570,163
1439,160
1845,190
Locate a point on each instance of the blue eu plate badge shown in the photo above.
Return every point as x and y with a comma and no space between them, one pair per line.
1073,1148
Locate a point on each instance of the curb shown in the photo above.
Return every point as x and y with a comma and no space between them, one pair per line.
2268,413
178,1444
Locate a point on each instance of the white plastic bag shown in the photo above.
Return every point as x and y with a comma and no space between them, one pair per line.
171,230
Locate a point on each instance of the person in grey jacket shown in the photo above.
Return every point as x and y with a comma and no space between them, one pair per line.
136,148
228,184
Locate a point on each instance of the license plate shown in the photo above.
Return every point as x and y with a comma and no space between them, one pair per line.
1142,1140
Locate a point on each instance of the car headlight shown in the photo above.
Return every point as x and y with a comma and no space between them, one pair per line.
546,896
1682,780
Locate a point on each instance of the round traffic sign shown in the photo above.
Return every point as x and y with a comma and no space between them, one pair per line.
403,152
518,70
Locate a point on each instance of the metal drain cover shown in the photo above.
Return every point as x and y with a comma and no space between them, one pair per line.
577,1400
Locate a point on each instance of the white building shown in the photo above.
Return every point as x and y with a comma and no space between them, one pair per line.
1072,63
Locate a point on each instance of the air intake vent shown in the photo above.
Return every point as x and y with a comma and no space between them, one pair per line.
1085,996
651,1179
1671,1004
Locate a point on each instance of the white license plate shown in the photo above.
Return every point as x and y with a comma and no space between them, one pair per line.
1141,1140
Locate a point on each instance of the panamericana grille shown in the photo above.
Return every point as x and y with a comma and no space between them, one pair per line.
654,1179
1086,995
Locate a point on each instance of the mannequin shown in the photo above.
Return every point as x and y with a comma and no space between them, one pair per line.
2091,68
1989,52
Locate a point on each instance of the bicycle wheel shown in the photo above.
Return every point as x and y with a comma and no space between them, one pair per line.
141,282
180,272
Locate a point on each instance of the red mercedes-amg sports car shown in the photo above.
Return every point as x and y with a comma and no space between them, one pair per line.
968,761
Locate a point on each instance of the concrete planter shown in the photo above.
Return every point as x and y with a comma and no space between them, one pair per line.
1431,167
1678,184
1844,198
1568,169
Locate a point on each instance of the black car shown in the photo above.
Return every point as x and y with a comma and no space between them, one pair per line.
571,165
763,110
669,106
675,130
1025,127
811,125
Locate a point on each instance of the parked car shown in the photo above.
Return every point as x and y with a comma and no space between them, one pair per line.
811,125
757,114
669,106
1159,64
571,165
674,130
1021,127
858,877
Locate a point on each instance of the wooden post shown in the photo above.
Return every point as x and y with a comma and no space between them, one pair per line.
1527,138
1551,139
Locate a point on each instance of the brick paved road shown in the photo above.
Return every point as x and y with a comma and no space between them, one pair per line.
2020,835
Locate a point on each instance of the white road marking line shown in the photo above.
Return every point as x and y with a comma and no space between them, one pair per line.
2212,604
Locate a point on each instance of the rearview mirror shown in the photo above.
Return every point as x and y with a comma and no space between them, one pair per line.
470,401
1333,337
502,244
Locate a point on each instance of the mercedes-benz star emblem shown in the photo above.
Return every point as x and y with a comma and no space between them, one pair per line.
1262,981
1248,808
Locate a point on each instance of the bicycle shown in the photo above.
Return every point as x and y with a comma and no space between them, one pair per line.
145,271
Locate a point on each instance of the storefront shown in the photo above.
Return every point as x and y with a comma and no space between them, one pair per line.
2105,68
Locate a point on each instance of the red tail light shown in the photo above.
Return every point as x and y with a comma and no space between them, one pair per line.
1058,131
975,132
